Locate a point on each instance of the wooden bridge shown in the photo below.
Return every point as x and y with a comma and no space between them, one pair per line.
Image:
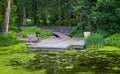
60,42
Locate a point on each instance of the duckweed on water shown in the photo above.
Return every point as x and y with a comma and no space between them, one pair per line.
88,61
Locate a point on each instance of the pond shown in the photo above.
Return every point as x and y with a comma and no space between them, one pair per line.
74,62
86,61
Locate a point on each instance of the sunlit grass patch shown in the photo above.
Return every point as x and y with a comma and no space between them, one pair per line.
109,48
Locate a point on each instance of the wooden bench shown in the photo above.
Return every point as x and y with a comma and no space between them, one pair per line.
31,39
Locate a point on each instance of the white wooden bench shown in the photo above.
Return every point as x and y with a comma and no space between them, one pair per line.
33,38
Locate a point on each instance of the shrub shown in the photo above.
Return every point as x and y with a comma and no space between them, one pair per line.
45,34
94,41
62,22
14,35
57,23
65,22
75,33
15,62
21,47
31,30
104,33
113,40
74,22
9,39
14,28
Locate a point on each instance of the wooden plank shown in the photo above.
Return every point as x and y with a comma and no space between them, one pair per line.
63,36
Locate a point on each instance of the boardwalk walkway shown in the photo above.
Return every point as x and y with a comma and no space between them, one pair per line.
58,43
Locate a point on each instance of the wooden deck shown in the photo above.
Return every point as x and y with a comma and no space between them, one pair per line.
58,43
60,35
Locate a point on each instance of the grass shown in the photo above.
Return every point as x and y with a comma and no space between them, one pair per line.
109,48
5,68
94,41
6,56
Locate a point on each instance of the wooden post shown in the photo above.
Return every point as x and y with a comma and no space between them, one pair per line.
6,17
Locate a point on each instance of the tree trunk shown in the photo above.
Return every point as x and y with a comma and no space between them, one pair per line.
24,15
79,26
44,19
6,18
68,13
89,24
34,6
79,17
60,14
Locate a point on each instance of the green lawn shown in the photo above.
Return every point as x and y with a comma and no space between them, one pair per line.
5,67
7,55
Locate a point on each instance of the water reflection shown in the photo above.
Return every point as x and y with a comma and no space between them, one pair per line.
75,62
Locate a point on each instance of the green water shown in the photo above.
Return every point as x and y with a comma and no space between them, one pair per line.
72,62
50,62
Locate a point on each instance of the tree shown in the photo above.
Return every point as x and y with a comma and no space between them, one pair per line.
90,14
6,18
2,10
68,13
106,15
82,8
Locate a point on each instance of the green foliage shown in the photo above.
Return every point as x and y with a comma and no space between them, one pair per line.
103,33
31,30
76,33
13,14
64,22
43,34
113,40
15,37
14,28
15,62
13,48
105,15
2,5
57,22
73,22
10,39
83,10
94,41
13,58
